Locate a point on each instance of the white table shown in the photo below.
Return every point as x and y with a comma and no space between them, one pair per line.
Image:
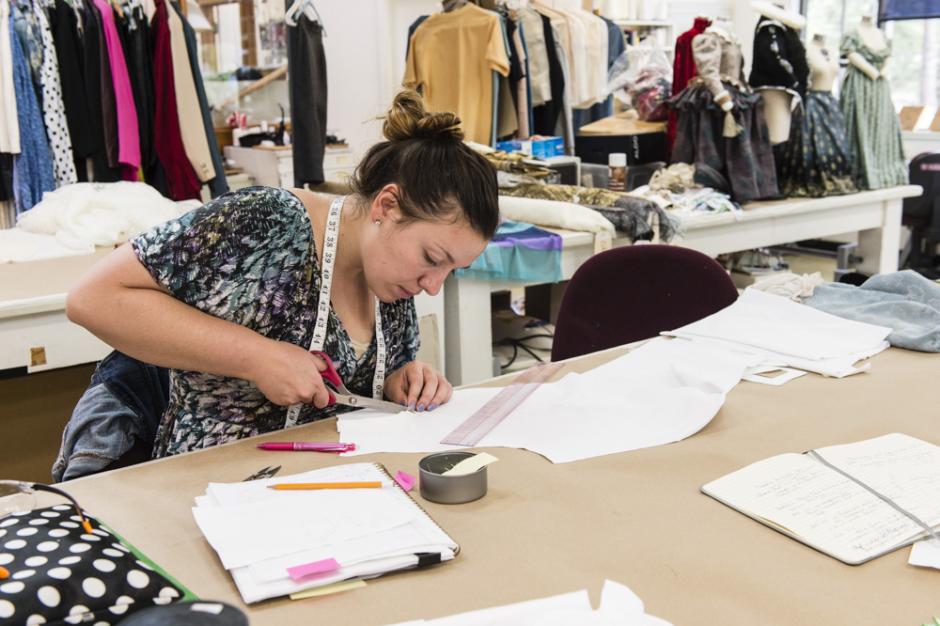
874,215
34,330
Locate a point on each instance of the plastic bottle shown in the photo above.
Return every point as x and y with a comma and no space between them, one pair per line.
617,171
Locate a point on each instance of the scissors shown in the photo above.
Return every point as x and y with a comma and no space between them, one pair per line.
344,396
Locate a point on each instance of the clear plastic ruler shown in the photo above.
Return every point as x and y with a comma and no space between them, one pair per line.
489,416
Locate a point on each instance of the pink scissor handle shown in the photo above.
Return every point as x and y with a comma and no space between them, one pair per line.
330,374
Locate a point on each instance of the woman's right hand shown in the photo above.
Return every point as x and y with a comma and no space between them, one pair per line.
287,374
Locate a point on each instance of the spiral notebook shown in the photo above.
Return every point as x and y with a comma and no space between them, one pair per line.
854,502
276,543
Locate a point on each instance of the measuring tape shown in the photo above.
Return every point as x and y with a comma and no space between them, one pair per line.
489,416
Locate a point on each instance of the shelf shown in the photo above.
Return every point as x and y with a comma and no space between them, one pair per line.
641,24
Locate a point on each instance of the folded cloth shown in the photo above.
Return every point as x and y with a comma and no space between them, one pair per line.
518,251
904,301
796,287
554,214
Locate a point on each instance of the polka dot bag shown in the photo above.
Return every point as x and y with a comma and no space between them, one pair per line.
57,573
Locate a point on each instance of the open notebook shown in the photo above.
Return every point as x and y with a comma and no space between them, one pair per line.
337,534
806,499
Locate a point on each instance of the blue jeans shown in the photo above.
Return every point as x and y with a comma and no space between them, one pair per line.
121,408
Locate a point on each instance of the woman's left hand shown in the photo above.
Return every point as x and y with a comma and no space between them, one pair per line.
418,386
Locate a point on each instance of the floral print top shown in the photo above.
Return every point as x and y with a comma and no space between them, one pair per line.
249,257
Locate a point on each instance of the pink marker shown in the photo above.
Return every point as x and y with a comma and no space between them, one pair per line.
308,446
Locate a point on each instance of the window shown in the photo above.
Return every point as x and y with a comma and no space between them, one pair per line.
914,67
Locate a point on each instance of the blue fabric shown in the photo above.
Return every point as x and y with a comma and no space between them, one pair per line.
909,9
904,301
32,167
122,405
518,251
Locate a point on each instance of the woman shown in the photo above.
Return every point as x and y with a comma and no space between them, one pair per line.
232,295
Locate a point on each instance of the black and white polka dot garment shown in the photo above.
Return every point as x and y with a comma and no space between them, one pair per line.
53,107
61,574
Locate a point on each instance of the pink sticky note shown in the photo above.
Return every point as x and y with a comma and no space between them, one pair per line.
405,481
325,566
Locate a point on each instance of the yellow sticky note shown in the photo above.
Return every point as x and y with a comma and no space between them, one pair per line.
346,585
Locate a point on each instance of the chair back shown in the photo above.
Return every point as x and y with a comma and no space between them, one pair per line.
636,292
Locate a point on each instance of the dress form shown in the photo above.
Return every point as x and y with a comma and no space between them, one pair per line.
779,100
875,40
823,65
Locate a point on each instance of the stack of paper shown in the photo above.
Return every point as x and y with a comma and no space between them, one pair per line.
619,607
664,391
784,333
321,536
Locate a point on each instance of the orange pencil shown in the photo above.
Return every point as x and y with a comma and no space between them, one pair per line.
369,484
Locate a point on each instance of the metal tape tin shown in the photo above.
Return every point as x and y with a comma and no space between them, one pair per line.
450,489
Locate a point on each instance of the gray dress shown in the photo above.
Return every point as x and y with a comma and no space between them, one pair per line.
871,122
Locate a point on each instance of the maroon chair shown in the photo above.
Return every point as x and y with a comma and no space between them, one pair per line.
636,292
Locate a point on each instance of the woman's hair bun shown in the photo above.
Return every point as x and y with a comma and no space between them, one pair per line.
408,119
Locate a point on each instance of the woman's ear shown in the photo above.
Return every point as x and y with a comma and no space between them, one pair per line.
385,206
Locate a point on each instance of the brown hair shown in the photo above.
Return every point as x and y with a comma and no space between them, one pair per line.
439,176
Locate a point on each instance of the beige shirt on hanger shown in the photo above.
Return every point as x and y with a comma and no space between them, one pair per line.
9,123
560,24
451,58
538,56
195,142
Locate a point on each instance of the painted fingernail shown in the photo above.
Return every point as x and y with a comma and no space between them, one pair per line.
421,407
432,407
411,407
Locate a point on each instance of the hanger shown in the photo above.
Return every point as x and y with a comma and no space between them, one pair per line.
308,9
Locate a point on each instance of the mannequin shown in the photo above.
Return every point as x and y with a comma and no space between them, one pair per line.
779,70
872,37
817,161
721,127
874,134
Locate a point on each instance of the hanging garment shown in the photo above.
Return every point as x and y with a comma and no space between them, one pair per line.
817,160
451,59
508,120
546,114
683,70
521,94
615,47
6,180
870,121
69,54
128,135
9,125
53,108
306,76
181,180
99,96
734,144
134,32
32,167
218,185
411,31
537,53
94,36
26,24
187,102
